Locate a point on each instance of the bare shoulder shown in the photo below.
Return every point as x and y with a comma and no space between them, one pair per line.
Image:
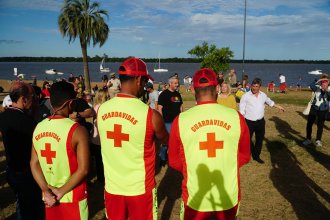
80,132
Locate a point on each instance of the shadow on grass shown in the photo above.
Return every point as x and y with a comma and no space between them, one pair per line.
286,131
169,189
294,185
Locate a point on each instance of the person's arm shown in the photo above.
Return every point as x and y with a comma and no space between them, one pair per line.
181,107
47,195
313,86
156,105
175,146
109,84
159,127
244,143
156,100
160,103
83,109
242,104
160,109
81,145
279,107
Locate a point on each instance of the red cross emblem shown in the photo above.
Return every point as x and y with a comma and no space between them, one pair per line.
211,145
48,153
117,135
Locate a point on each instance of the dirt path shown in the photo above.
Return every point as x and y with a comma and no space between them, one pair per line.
294,182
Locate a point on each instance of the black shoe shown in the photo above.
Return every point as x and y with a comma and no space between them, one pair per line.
259,160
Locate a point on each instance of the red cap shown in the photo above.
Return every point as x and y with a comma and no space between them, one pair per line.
134,67
206,73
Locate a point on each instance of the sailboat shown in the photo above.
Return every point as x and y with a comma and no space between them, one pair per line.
104,69
160,70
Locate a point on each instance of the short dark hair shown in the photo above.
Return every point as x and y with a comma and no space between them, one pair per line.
125,78
19,89
256,81
205,89
60,92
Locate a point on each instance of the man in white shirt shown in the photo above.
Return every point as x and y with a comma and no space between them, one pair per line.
252,107
153,96
113,85
282,83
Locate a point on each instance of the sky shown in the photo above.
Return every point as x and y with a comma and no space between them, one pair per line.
275,29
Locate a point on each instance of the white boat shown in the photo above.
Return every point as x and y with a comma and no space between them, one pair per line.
104,69
160,70
53,72
315,72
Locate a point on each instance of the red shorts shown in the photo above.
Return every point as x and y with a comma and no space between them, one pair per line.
141,207
70,211
190,213
282,86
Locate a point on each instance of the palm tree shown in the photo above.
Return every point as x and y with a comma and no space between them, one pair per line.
83,19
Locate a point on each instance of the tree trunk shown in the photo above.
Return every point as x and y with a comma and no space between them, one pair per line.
86,69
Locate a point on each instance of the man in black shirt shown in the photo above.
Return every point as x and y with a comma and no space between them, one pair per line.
16,127
170,106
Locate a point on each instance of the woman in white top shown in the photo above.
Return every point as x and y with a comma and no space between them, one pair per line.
319,109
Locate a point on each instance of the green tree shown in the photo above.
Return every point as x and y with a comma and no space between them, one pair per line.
216,58
84,20
201,51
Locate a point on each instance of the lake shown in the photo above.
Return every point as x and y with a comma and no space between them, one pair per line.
267,72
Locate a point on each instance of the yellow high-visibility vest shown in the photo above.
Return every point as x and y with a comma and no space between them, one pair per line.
210,135
127,146
57,158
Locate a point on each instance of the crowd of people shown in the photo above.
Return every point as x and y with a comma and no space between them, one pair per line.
49,175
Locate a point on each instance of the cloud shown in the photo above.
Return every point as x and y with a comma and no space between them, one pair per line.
175,26
11,41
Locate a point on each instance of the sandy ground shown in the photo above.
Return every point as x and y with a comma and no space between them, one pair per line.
294,182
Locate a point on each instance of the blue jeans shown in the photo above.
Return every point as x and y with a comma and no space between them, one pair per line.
163,149
29,204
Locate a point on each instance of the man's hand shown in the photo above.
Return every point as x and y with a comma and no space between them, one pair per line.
57,192
49,198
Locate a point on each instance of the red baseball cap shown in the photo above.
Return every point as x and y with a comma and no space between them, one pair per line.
134,67
209,76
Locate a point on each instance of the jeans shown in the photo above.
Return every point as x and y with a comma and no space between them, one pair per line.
313,115
163,149
29,204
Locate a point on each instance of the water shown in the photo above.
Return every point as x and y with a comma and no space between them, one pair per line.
267,72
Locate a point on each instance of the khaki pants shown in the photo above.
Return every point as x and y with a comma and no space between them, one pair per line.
113,93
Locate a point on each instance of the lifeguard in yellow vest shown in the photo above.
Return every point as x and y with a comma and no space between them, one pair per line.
60,158
127,129
208,144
